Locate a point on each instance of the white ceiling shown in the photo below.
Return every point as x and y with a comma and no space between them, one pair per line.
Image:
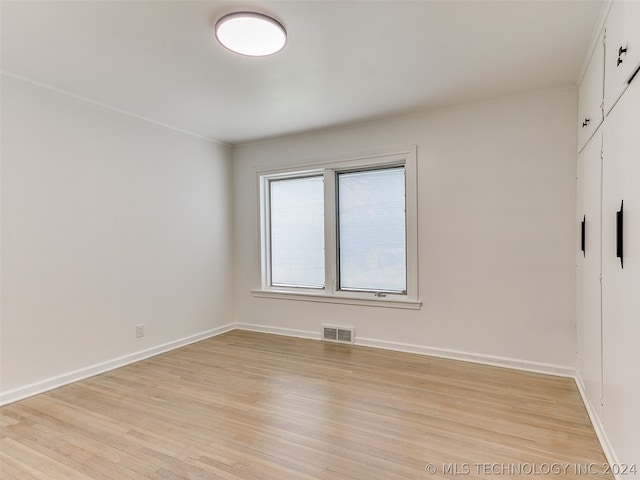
345,61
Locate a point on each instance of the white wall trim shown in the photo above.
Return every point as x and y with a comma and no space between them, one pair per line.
42,386
529,366
287,332
343,300
105,106
607,448
496,361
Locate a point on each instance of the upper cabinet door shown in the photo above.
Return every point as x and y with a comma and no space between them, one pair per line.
590,93
623,48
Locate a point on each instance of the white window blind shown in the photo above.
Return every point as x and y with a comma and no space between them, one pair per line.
372,230
297,232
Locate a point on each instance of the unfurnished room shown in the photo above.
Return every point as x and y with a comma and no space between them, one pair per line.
320,240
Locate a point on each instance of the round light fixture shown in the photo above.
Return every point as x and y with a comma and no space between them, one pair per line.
252,34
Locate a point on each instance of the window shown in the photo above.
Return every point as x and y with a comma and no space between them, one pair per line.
371,230
297,232
343,231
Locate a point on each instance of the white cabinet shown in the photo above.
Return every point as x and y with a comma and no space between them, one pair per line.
590,113
621,276
589,325
622,29
608,273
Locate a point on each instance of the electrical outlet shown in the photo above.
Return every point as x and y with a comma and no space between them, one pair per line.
139,331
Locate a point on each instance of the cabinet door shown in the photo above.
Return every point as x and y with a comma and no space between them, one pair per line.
590,113
621,280
622,48
589,326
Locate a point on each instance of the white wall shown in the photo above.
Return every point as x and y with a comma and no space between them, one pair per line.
108,221
496,229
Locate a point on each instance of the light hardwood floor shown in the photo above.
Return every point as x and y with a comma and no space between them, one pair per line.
259,407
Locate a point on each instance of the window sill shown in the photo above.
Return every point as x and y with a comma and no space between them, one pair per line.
322,298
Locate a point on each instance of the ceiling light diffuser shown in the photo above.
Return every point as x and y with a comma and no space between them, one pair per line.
252,34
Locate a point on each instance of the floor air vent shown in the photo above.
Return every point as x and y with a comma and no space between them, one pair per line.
338,334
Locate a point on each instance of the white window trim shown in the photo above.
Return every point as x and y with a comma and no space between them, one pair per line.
405,156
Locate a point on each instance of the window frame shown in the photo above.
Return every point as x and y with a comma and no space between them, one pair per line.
405,157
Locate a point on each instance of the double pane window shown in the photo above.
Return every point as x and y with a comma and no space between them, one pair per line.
342,231
367,227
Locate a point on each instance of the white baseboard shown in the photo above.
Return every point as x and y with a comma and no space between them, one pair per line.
287,332
529,366
20,393
607,448
493,360
64,379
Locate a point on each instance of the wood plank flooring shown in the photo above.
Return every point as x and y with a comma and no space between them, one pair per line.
250,406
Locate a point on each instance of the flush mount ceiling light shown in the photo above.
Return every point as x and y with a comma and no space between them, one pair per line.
252,34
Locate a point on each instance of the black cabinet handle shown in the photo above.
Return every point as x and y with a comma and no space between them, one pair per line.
620,52
586,122
582,235
619,231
